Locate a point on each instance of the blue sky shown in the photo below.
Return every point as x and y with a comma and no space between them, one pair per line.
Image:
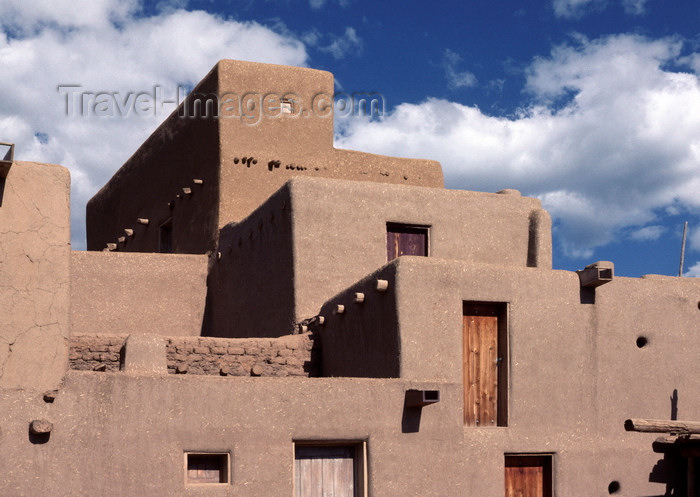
590,105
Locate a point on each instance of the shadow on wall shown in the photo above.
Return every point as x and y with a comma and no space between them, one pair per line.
670,470
413,404
410,421
674,405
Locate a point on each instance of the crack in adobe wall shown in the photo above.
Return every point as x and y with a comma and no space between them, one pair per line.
34,270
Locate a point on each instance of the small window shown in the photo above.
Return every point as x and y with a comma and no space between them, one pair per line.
287,106
165,242
528,475
332,470
206,468
405,239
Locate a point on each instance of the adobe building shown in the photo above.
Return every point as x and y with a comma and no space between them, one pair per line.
262,314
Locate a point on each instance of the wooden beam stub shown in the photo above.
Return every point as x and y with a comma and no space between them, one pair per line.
662,426
382,285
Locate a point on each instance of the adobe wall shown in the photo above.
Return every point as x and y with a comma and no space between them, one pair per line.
251,284
240,160
132,431
129,435
314,237
264,148
359,330
340,230
34,275
245,187
576,371
547,314
123,293
157,183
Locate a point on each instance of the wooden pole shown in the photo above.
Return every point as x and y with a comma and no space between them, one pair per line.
685,233
662,426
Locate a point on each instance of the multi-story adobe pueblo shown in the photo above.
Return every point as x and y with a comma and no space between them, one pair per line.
260,314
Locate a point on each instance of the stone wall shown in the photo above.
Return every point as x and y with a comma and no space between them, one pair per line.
292,355
96,352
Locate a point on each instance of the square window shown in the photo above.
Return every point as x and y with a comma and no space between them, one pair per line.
287,106
528,475
405,239
332,470
206,468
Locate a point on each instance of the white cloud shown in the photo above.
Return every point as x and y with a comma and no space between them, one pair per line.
343,45
312,37
171,5
694,270
317,4
575,9
104,46
647,233
694,238
456,79
607,140
27,17
635,7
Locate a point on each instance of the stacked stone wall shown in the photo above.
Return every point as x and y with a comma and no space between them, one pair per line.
96,352
292,355
285,356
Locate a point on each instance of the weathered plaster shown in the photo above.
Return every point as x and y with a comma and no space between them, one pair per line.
34,276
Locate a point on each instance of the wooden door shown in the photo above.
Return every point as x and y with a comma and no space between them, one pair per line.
325,471
403,239
528,476
481,365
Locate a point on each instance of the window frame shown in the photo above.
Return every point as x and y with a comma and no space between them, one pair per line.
547,468
408,228
224,471
359,463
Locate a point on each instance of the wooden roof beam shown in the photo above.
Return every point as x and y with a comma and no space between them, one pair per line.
662,426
